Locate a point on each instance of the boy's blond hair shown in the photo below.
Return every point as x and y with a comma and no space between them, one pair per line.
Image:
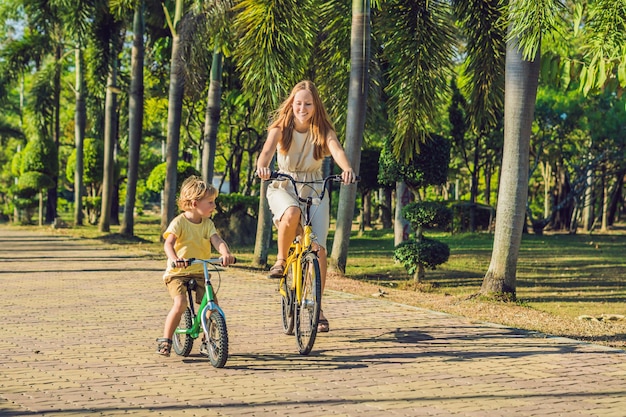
193,189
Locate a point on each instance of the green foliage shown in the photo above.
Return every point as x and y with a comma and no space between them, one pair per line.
428,252
34,181
237,202
427,214
93,162
39,155
156,180
429,167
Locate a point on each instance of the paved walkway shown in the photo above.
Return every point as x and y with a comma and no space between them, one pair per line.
79,321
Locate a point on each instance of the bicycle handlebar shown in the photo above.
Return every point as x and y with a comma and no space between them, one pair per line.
335,178
213,261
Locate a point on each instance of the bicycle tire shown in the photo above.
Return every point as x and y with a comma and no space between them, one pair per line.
182,342
307,311
217,340
287,302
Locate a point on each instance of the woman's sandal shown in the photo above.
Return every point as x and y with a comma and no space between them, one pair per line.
322,325
278,269
164,346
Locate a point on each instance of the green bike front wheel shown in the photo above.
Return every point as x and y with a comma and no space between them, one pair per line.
307,310
183,342
217,340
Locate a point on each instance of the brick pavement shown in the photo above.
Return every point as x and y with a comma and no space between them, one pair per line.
79,321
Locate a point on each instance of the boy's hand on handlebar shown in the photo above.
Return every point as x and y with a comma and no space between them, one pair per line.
180,263
228,259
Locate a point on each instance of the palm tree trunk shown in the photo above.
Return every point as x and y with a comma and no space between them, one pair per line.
521,82
135,119
110,122
212,119
80,120
355,124
174,116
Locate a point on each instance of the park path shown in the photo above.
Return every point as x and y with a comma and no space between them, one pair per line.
79,320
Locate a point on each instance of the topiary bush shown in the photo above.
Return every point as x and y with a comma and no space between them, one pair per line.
422,253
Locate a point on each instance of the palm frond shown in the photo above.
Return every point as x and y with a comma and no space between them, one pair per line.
484,28
273,53
419,45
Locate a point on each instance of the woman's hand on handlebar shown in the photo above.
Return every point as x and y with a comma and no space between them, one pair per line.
263,173
348,176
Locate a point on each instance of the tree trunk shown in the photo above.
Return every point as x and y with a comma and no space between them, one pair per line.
212,118
385,207
264,230
519,106
174,115
355,124
135,119
401,227
605,201
51,202
110,123
588,212
80,123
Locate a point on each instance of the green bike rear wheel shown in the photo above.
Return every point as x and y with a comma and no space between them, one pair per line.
183,343
307,311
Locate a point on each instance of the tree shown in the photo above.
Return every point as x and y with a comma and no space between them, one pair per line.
135,118
174,114
38,168
528,21
355,124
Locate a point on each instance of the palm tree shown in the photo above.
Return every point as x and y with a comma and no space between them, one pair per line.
355,125
528,22
174,116
135,117
273,52
112,43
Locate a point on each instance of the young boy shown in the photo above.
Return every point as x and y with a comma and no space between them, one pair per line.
189,235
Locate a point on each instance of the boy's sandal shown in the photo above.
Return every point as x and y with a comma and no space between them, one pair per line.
322,326
164,346
278,269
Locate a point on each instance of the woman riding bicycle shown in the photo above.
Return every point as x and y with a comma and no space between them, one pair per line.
302,133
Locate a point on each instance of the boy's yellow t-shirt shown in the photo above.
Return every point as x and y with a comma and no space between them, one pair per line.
192,241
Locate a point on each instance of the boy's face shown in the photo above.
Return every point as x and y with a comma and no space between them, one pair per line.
205,206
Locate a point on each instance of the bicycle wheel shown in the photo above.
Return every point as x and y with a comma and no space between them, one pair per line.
307,311
217,340
183,342
286,302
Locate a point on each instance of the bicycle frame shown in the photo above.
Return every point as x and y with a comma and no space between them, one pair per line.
208,304
302,245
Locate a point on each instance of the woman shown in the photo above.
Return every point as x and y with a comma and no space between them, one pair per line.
303,135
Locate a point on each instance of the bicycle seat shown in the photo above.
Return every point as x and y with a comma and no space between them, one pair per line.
192,284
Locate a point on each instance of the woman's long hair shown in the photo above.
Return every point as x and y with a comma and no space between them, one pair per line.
320,127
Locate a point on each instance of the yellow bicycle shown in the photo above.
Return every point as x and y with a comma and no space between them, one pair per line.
301,284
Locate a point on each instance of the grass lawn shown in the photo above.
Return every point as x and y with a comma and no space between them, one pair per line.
567,285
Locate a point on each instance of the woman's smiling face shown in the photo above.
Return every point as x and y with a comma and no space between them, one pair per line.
303,107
